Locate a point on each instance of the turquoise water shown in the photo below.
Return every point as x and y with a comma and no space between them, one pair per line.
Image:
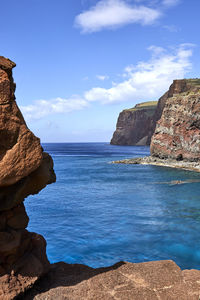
99,213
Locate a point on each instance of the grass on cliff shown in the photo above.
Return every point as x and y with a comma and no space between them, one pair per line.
195,81
150,105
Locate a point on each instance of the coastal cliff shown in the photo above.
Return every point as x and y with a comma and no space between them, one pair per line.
176,139
25,272
24,169
177,133
135,125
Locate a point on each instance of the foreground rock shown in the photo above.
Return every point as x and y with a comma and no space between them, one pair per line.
24,169
161,280
134,126
177,133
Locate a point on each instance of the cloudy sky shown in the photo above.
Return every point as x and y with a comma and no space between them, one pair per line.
80,62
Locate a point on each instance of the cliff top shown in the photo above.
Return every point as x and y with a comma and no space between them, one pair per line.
144,105
6,64
194,81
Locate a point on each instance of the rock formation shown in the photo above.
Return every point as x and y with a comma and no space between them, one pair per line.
25,271
177,133
135,125
24,169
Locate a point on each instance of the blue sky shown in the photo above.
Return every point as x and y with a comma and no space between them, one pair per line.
80,62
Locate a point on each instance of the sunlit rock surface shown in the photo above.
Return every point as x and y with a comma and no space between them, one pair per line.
24,169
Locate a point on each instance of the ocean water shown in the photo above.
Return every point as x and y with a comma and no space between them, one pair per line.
98,213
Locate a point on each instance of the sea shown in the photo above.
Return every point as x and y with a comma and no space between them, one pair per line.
98,213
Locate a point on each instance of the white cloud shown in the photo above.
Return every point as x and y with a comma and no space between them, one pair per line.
102,77
114,13
42,108
147,80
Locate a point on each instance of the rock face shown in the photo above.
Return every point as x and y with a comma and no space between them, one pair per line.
24,169
135,125
177,133
159,280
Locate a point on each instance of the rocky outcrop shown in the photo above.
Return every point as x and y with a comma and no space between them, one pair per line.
24,169
177,133
135,125
159,280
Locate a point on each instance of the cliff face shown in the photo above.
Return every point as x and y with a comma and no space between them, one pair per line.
134,126
137,125
24,169
177,133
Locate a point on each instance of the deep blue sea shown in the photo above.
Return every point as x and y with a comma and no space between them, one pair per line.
98,213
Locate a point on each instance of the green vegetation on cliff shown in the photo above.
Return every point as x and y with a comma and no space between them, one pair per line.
194,81
148,107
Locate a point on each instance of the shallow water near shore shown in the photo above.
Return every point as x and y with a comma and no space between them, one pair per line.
98,213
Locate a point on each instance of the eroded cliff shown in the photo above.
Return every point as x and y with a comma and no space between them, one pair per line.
177,133
135,125
24,169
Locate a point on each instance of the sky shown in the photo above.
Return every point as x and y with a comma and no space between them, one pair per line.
81,62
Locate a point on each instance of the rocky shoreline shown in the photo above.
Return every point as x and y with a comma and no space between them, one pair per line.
155,161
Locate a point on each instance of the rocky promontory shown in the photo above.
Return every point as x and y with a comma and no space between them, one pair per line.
24,170
135,125
176,139
25,272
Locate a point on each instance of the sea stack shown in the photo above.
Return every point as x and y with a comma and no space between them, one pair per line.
177,133
24,169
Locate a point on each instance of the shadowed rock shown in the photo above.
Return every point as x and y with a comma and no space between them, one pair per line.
134,125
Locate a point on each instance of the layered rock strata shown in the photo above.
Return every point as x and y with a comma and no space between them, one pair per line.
134,125
24,169
177,133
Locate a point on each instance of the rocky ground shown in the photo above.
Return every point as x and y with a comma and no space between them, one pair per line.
161,280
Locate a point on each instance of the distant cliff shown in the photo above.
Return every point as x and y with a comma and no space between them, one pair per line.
177,133
134,125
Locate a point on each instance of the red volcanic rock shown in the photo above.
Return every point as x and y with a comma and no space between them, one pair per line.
159,280
20,150
136,126
24,169
177,133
